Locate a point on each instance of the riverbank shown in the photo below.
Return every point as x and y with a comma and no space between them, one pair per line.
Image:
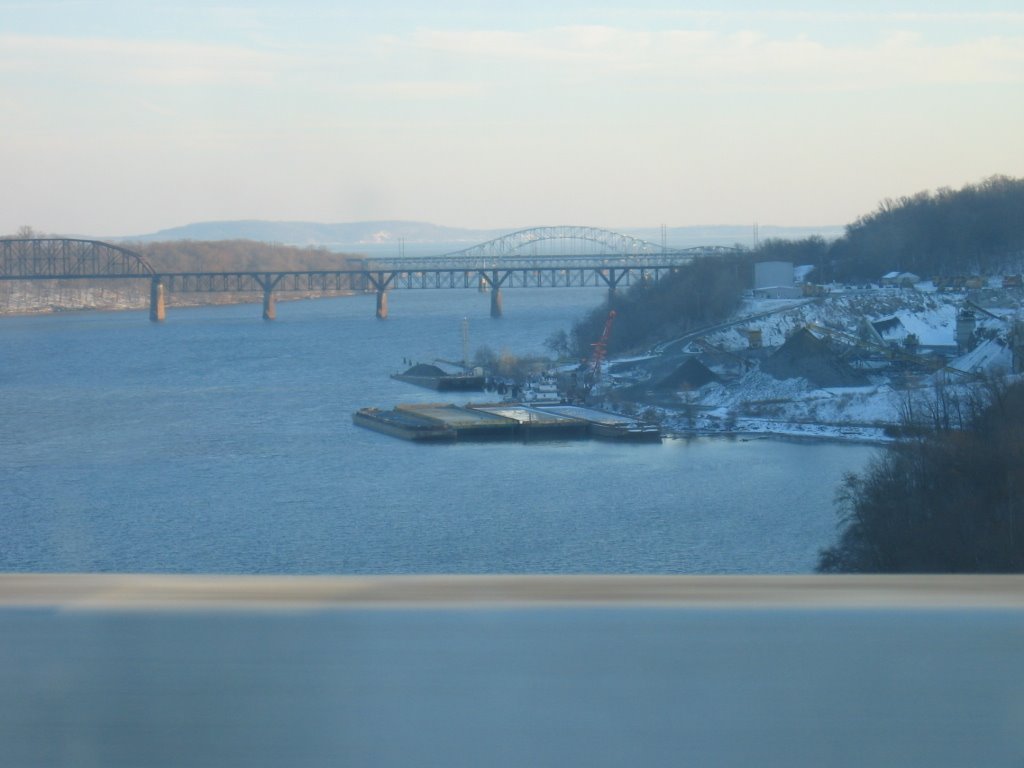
830,433
46,298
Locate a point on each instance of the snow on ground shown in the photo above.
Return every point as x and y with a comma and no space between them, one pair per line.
757,403
931,316
762,398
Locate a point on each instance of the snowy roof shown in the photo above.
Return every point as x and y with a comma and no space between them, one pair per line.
891,328
989,355
933,327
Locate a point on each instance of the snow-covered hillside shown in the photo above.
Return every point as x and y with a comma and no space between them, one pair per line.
894,343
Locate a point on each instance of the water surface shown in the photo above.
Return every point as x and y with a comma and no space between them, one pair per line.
217,442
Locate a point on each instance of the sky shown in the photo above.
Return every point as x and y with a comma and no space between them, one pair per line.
122,117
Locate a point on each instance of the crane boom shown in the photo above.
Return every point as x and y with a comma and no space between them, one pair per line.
601,347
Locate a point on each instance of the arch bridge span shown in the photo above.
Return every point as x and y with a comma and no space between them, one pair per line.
520,242
581,246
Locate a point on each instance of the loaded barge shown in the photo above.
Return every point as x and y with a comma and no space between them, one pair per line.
401,424
467,423
609,426
437,422
433,377
536,423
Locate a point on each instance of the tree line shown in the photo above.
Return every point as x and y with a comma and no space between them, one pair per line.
978,229
223,255
705,291
236,256
947,498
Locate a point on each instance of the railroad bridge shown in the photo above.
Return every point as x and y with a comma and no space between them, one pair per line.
540,257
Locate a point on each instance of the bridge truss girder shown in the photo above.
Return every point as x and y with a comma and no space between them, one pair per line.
66,258
494,265
588,239
244,282
359,281
415,264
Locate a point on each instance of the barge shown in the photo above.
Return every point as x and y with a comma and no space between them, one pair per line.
433,377
404,425
536,423
608,426
436,422
467,423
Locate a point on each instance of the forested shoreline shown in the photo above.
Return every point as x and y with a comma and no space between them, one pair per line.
235,256
945,499
978,229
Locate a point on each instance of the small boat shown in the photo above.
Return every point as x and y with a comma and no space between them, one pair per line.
544,392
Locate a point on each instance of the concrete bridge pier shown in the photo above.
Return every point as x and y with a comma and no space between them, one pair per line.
495,301
382,305
612,278
269,304
157,304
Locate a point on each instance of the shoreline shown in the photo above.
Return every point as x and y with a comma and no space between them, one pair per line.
796,437
143,306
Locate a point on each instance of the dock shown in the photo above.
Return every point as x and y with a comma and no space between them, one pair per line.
440,422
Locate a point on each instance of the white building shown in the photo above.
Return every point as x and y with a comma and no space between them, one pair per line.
775,280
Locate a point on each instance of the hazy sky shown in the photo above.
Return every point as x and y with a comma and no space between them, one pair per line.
124,117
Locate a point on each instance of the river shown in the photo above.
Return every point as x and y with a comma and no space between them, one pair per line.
219,443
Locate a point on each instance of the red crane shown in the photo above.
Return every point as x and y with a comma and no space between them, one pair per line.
601,348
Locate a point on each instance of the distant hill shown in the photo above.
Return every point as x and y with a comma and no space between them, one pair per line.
414,238
306,233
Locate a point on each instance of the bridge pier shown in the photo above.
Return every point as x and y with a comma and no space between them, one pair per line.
612,278
382,305
157,304
269,304
495,301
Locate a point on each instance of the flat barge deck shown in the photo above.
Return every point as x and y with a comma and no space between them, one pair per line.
608,426
407,426
467,423
536,423
438,422
433,377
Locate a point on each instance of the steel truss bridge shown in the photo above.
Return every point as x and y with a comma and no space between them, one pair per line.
541,257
